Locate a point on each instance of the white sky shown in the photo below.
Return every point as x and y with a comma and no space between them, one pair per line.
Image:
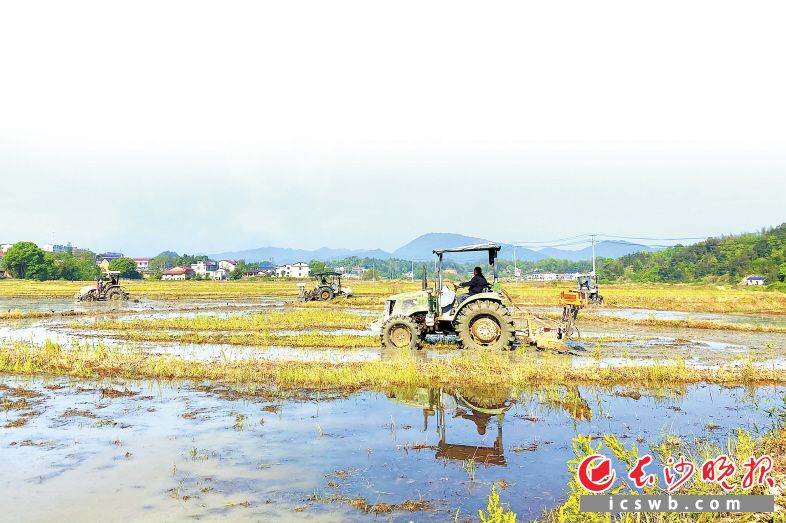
210,126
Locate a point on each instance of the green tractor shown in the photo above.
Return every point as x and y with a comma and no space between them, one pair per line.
480,321
110,290
328,286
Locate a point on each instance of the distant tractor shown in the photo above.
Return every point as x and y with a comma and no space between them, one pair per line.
104,290
587,286
328,286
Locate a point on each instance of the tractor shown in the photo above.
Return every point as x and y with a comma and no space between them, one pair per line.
328,286
587,286
480,321
104,290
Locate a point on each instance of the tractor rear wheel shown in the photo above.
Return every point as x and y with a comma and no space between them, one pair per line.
325,294
400,332
485,324
116,294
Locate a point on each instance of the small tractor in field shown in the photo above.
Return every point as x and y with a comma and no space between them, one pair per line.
480,321
104,290
328,286
587,286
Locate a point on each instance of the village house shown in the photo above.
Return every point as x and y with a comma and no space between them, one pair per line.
220,274
105,258
263,270
142,264
5,246
228,265
205,268
293,270
552,276
754,280
178,273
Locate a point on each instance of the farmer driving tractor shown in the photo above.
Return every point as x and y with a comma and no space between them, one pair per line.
476,285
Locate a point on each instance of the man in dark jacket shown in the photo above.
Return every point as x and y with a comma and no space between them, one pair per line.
476,285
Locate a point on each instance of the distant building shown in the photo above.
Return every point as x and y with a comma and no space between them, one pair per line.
754,280
359,271
205,268
263,270
105,258
142,263
228,265
552,276
5,246
177,273
293,270
50,247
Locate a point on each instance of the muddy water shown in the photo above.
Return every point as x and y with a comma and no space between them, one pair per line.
178,452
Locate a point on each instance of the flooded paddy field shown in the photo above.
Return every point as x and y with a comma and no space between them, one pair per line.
185,328
181,451
285,411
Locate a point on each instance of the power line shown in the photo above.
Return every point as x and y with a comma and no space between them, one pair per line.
654,239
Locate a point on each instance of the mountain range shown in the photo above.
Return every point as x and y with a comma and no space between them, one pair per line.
421,248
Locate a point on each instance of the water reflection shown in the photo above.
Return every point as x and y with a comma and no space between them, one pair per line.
486,411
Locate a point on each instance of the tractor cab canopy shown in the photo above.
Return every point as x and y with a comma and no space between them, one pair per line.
492,249
327,276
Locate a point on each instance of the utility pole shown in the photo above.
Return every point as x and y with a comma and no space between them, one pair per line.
593,253
515,268
413,269
373,272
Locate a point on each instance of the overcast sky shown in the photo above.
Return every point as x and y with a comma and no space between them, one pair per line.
212,126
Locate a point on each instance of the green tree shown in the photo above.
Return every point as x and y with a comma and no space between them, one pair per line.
25,260
317,266
239,269
125,266
69,266
161,262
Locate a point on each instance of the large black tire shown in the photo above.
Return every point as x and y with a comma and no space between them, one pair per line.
90,296
116,294
325,293
400,332
485,324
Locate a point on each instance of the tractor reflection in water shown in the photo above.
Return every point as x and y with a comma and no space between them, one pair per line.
328,286
482,410
436,402
104,290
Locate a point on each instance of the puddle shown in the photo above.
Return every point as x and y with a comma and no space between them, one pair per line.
179,451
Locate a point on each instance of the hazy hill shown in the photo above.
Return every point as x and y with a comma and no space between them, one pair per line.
421,249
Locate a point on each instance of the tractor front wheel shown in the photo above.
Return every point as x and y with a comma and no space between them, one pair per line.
400,332
325,294
485,324
116,294
90,296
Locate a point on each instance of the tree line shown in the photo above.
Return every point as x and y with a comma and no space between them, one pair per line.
716,260
26,260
